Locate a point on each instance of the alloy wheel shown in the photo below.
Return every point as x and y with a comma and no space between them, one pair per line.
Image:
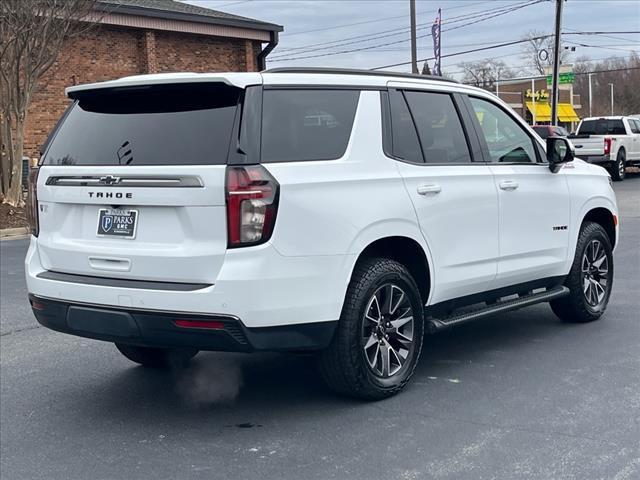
388,330
595,273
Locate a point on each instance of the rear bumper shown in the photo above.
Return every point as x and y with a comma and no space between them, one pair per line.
256,284
149,328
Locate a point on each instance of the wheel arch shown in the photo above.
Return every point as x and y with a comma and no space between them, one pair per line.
605,218
407,251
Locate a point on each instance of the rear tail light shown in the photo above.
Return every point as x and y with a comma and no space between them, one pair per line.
252,204
607,146
32,201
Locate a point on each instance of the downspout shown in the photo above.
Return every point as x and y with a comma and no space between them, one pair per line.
262,56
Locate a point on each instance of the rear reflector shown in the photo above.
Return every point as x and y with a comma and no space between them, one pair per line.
38,306
207,324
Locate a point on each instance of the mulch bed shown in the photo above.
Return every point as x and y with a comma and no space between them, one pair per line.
12,217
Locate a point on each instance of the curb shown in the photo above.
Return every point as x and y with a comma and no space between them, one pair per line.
13,232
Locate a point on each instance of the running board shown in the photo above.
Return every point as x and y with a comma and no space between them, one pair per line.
436,324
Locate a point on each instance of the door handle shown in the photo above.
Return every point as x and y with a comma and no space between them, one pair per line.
426,189
509,185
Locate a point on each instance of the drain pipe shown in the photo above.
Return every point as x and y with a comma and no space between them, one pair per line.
262,56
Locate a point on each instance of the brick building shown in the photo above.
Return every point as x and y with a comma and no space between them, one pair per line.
147,36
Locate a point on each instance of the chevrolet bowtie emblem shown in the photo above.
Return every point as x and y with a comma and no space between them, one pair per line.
110,180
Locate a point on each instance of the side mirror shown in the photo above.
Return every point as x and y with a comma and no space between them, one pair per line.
559,151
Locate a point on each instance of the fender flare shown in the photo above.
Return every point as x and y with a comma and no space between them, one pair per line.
380,230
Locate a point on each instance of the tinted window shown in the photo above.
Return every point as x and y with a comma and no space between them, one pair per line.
601,126
506,140
635,125
406,145
542,131
300,125
439,128
153,125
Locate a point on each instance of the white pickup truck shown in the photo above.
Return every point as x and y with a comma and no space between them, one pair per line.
613,142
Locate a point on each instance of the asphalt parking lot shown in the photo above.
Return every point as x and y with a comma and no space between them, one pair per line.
519,395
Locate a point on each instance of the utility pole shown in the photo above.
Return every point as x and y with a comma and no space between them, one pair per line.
556,64
611,85
414,48
590,103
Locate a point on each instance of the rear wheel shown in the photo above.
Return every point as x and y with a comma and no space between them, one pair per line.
157,357
379,337
590,279
618,168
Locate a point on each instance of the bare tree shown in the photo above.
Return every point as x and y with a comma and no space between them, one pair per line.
32,33
623,72
484,73
538,51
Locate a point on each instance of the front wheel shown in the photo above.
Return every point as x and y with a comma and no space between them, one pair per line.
590,279
377,343
157,357
619,166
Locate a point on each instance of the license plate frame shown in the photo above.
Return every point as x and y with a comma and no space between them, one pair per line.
112,223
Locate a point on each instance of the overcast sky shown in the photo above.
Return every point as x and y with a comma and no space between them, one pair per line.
320,21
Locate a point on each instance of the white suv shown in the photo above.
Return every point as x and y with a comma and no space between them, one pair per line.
343,212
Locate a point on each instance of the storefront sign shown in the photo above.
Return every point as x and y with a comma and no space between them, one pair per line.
538,96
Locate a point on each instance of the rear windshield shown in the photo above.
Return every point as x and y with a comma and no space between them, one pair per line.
151,125
300,125
602,127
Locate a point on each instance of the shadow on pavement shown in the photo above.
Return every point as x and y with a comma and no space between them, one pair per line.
272,388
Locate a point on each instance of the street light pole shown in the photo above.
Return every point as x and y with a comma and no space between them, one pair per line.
414,49
556,64
611,85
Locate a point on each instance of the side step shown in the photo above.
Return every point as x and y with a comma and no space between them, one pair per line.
436,324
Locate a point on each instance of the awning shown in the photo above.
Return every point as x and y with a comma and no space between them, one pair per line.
540,111
566,113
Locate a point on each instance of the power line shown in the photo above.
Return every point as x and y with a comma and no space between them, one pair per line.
500,45
471,51
370,21
398,31
403,40
598,46
613,70
458,72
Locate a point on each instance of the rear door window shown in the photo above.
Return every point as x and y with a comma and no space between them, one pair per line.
439,128
306,124
406,145
151,125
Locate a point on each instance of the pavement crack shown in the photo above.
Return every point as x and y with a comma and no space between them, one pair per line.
18,330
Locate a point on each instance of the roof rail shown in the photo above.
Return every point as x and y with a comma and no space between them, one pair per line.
355,71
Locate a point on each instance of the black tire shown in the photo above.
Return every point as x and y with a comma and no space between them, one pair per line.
344,364
618,168
157,357
576,307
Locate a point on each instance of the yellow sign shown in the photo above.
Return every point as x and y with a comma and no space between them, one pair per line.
538,96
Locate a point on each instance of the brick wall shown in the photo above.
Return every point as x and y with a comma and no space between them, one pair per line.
112,52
